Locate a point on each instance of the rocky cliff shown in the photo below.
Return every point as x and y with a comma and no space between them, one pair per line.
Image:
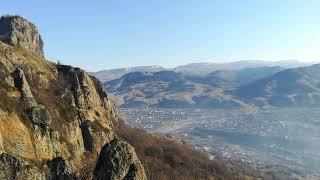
54,119
17,31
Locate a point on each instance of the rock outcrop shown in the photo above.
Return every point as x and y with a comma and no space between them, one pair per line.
118,161
22,85
18,32
12,167
58,169
53,117
15,168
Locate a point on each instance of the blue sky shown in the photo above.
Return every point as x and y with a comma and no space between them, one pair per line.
108,34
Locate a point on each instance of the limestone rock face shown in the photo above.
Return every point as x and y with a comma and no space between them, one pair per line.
118,161
51,110
18,32
51,115
48,111
91,104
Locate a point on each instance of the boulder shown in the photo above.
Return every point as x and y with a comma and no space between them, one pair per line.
40,116
118,161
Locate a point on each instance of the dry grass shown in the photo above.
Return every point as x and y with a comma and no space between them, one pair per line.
167,158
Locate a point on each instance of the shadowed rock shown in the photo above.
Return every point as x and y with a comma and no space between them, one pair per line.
22,85
58,169
40,116
118,161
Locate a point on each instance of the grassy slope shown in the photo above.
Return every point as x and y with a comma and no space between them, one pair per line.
168,158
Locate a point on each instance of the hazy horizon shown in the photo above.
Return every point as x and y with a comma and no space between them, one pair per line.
114,34
105,67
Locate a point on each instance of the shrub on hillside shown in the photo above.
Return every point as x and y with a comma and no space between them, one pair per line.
164,158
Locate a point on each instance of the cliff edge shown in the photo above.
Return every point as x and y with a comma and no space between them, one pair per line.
54,119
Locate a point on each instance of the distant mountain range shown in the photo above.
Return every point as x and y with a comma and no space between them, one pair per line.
206,68
248,85
235,78
107,75
197,69
291,87
166,89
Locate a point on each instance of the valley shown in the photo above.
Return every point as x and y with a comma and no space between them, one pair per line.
279,137
254,113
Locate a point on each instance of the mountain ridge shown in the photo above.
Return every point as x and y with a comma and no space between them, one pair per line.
248,87
169,89
198,69
292,87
